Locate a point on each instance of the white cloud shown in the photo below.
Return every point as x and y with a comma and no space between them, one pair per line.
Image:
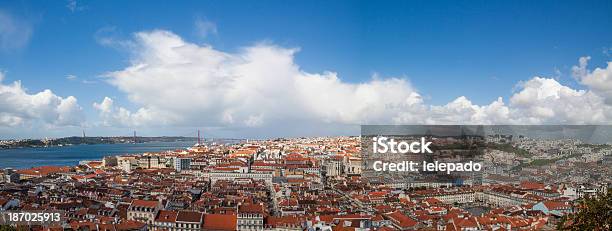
119,116
86,81
109,36
463,111
254,120
105,107
74,6
607,51
185,84
544,100
18,108
537,101
204,28
15,32
599,80
71,5
581,70
71,77
177,83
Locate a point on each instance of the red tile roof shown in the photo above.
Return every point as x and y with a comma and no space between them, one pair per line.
531,185
286,221
144,203
130,225
189,216
402,220
220,222
556,205
43,170
251,208
166,216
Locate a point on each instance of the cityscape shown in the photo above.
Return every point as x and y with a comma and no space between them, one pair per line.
305,115
308,184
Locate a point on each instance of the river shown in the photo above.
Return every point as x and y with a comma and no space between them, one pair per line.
71,155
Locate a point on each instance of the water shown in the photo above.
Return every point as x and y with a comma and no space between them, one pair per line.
71,155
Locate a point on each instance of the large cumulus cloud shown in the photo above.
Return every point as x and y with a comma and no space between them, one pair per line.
178,83
599,80
181,83
19,108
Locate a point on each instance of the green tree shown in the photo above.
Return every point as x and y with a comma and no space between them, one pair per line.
593,214
7,228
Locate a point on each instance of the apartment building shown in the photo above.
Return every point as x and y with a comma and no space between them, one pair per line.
143,210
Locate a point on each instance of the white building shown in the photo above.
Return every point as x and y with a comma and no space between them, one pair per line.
143,211
250,217
181,164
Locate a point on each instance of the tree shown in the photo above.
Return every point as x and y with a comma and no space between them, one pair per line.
7,228
593,214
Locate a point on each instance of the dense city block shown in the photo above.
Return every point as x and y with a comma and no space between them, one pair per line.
307,184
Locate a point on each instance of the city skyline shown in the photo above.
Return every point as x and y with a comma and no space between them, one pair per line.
69,66
305,115
321,183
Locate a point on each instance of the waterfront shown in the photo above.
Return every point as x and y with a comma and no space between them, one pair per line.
71,155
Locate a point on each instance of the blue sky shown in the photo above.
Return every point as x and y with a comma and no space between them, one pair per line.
445,49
